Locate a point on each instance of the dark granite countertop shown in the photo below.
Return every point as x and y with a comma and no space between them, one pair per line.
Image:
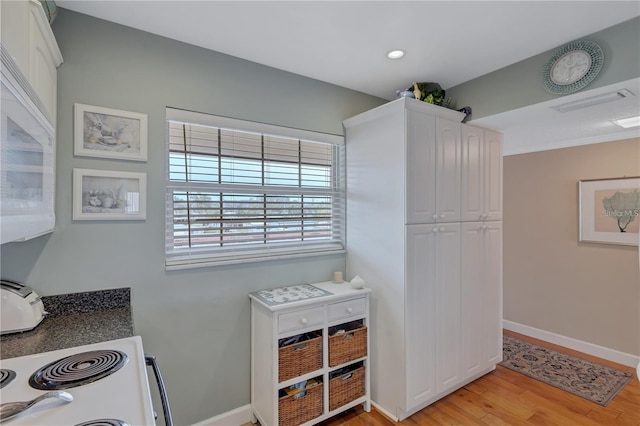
74,319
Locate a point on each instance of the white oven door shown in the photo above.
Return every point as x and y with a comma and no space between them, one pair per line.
27,158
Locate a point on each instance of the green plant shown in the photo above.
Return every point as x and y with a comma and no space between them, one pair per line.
432,93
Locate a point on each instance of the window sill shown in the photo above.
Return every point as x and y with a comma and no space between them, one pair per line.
175,265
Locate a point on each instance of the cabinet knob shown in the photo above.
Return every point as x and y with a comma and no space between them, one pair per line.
442,216
434,230
435,216
303,321
349,310
442,229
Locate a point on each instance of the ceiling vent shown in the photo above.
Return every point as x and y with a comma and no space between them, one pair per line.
593,100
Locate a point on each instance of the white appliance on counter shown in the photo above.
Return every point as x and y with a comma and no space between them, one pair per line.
21,308
27,159
108,382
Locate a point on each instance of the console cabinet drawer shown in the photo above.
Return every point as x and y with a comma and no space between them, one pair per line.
347,309
299,320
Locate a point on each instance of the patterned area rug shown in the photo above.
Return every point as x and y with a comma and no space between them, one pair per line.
591,381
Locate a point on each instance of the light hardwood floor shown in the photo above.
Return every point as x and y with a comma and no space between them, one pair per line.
505,397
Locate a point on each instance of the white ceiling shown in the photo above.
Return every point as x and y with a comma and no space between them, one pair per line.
345,43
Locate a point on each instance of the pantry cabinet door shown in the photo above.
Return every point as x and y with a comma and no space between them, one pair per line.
421,168
493,175
481,296
421,315
492,250
473,179
447,165
447,282
472,296
481,170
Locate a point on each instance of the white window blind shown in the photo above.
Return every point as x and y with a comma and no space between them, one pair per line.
238,194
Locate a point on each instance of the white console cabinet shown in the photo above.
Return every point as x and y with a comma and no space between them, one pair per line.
309,353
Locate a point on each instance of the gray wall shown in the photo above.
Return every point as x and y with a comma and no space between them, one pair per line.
552,282
520,85
197,322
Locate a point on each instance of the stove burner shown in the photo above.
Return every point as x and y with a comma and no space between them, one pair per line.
103,422
77,370
6,376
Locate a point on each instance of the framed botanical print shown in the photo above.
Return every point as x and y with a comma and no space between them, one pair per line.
610,210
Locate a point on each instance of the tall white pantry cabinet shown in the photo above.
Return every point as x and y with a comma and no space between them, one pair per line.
424,211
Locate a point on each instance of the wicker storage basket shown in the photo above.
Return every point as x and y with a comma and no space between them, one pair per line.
299,358
296,409
347,346
345,388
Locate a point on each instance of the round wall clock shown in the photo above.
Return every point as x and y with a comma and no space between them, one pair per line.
572,67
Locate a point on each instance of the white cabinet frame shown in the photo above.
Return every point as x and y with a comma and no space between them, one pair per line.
271,323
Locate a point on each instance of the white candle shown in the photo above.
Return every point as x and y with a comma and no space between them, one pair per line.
337,277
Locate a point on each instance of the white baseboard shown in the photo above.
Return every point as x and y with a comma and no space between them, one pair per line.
235,417
571,343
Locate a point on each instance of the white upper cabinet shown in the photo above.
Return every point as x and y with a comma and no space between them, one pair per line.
28,37
433,168
481,189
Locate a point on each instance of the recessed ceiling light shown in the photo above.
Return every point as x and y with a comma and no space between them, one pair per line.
395,54
628,122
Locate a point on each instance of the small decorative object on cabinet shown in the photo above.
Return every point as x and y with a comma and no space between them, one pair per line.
309,352
436,271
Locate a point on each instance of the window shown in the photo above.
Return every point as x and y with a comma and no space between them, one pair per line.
242,191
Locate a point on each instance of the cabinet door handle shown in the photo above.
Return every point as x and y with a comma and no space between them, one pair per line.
349,310
303,321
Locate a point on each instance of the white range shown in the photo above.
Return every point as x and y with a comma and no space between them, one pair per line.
108,382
